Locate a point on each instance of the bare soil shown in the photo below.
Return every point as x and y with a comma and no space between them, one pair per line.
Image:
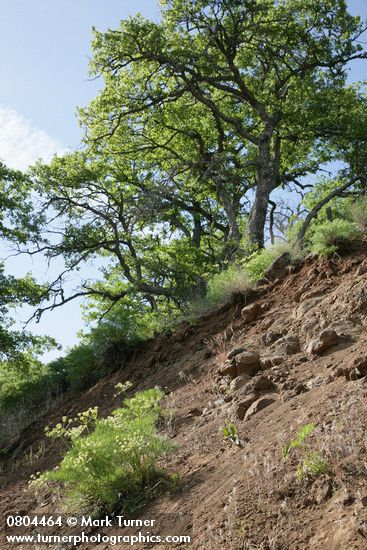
247,497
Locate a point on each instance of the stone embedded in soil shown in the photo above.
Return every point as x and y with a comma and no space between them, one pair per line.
194,412
362,270
272,361
360,366
270,337
244,405
321,490
279,268
319,381
301,310
258,406
289,345
228,369
326,340
235,352
262,383
292,345
251,312
239,382
355,369
247,363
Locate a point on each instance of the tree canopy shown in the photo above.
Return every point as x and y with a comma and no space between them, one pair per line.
201,118
17,226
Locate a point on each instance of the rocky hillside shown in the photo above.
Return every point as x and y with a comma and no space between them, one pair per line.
291,353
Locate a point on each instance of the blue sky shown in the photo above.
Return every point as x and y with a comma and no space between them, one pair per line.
45,48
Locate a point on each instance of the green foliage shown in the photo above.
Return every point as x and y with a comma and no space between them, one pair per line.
299,440
358,213
113,461
65,430
222,285
256,264
175,173
311,466
334,236
122,388
229,431
172,173
81,367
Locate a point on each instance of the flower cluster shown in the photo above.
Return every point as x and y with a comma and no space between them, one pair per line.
116,459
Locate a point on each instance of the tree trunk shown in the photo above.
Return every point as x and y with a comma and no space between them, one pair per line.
265,184
231,210
257,220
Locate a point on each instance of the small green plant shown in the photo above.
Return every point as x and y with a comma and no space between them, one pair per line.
174,482
222,285
334,236
358,213
111,462
312,465
299,440
34,456
229,431
67,431
122,388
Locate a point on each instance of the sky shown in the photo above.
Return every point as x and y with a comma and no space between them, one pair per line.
45,50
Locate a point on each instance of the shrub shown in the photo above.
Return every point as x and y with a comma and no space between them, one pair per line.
256,265
334,236
82,367
301,436
358,213
113,461
312,465
222,285
229,431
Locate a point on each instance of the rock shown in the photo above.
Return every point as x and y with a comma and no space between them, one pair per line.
339,370
272,361
291,343
251,312
360,366
270,337
357,368
362,270
258,405
305,307
239,382
244,405
321,490
247,363
288,345
228,369
279,268
319,381
326,340
262,383
266,363
219,402
235,352
194,412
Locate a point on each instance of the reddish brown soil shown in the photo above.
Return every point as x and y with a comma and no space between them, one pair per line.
247,497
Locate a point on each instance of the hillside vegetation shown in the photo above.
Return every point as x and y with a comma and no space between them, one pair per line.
222,192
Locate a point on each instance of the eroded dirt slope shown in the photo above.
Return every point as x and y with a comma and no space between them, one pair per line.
297,354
